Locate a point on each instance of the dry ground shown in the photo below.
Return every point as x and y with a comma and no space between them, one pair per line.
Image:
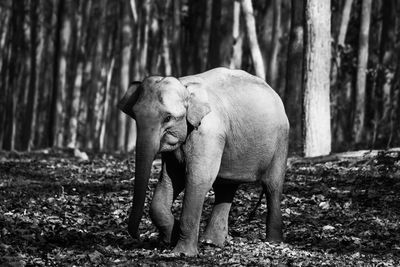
56,210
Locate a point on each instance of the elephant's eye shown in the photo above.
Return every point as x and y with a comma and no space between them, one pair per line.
168,119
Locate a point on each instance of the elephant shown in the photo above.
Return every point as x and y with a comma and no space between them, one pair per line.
216,129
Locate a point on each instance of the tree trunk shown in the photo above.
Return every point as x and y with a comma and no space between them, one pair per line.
30,115
341,98
265,31
237,51
145,40
176,40
382,95
252,37
102,134
44,75
4,61
205,36
141,65
195,36
63,74
316,104
99,74
294,75
215,40
5,51
126,49
80,33
165,43
63,34
344,22
273,67
395,110
359,114
134,10
15,69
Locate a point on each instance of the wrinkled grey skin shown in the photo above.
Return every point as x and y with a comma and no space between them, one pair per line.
216,129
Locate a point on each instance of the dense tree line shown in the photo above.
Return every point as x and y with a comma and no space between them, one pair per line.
64,64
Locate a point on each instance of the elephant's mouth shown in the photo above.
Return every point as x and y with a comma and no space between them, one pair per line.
170,141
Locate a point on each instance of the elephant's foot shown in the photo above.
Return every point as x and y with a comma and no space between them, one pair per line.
169,234
214,237
274,236
185,249
274,230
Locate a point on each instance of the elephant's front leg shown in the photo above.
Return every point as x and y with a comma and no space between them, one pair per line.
217,228
203,160
190,218
168,188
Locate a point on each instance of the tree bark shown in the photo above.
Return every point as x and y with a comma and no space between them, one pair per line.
294,75
63,34
340,94
80,33
44,75
344,22
359,113
316,104
256,56
15,70
99,77
145,40
5,51
102,132
176,40
196,38
273,68
30,115
215,40
165,42
126,49
134,10
237,35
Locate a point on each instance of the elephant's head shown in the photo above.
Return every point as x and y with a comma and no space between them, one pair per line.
162,108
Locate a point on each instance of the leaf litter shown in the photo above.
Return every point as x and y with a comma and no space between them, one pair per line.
62,208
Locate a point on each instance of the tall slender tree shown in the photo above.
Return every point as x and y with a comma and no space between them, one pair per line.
294,75
55,111
256,56
126,51
99,77
237,35
273,66
164,36
14,72
340,82
317,127
220,40
359,114
82,12
30,115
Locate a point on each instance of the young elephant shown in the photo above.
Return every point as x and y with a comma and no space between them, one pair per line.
216,129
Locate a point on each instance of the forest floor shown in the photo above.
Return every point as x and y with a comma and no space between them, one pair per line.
61,210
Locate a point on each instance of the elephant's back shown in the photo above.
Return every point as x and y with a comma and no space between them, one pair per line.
254,120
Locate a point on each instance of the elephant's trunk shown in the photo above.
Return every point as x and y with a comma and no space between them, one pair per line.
146,148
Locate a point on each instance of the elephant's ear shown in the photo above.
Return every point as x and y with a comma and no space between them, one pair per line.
198,107
130,98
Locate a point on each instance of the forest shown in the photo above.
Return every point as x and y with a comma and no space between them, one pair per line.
67,152
65,64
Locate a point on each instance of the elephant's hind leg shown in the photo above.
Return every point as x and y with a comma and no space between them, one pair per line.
217,228
171,183
273,184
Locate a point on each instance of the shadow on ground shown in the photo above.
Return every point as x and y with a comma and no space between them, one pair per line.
56,209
